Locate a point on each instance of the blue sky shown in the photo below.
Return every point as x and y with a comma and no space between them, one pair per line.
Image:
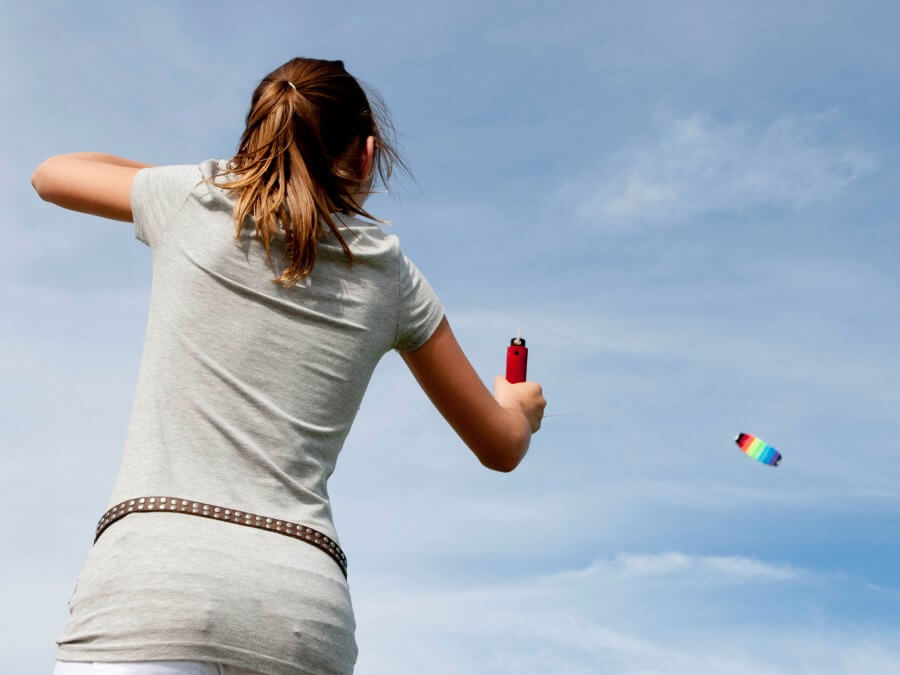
691,213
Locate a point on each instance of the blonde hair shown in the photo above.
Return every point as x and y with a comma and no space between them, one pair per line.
298,160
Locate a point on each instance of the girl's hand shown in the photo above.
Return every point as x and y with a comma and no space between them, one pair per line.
526,397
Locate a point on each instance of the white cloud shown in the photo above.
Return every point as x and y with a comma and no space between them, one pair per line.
698,165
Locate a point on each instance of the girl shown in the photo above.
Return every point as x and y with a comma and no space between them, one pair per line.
253,369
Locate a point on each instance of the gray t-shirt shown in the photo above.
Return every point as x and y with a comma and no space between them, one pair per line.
245,394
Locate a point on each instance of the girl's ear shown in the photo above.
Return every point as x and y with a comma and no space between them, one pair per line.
368,156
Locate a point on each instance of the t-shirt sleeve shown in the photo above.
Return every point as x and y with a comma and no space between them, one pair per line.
157,194
419,310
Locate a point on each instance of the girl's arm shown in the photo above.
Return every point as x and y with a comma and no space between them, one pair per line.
89,182
496,428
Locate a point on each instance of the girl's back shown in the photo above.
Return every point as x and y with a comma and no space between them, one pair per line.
245,394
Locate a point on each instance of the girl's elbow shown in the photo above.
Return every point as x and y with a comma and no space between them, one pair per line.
35,178
499,467
507,466
38,180
505,457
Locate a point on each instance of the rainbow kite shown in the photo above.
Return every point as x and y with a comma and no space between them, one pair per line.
758,449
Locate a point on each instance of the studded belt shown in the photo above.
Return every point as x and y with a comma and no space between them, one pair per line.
178,505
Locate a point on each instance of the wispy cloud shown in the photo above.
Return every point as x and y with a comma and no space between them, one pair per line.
708,569
615,616
697,165
685,569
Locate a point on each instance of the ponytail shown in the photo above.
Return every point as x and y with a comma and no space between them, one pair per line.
298,160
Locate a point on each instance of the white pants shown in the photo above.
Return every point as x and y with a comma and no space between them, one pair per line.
148,668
